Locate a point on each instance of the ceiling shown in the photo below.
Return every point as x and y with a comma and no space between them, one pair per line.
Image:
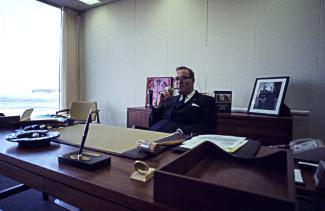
74,4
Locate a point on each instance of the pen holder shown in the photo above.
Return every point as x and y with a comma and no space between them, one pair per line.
88,161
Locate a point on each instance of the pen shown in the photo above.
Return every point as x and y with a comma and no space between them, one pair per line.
84,135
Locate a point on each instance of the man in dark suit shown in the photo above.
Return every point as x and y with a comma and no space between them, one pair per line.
189,112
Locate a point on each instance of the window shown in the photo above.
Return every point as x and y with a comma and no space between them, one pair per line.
29,56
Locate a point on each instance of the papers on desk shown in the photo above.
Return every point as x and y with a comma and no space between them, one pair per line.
227,143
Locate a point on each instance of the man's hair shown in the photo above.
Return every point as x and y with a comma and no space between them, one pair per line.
186,68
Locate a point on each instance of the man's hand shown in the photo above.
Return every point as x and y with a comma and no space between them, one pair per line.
163,96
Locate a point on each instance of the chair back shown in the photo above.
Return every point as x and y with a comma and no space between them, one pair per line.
26,115
79,110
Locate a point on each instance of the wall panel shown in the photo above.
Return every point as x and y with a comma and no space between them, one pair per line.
227,42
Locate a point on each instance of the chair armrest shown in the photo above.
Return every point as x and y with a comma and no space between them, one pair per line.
63,110
97,115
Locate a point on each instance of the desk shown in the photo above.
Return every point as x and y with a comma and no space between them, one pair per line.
104,189
269,130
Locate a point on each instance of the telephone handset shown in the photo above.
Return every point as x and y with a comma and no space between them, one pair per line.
301,145
308,149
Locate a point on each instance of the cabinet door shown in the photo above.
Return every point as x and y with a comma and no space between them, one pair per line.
267,130
138,117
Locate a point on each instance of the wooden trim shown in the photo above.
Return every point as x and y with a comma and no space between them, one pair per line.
269,130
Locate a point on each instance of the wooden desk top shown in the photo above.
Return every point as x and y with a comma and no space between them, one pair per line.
111,186
111,183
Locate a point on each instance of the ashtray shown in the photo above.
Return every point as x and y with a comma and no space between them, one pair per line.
32,137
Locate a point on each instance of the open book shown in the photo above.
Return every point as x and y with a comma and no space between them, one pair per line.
227,143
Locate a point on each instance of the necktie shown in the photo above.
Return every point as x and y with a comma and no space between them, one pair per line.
180,102
183,100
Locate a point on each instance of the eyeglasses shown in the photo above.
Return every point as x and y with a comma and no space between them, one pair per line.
182,78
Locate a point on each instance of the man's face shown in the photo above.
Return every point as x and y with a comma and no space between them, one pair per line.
185,85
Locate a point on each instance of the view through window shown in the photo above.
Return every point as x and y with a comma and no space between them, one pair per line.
29,57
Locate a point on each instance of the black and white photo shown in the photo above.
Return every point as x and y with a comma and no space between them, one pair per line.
268,95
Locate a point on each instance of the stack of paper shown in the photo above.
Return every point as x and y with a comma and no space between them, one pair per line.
227,143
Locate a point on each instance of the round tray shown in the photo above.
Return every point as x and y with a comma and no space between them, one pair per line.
32,137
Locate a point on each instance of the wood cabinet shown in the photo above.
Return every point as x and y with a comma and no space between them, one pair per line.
269,130
138,116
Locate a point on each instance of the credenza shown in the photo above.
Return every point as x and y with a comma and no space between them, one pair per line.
269,130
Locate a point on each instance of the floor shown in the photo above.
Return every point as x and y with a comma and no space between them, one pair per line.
29,200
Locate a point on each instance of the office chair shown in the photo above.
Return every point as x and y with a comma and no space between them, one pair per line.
26,115
79,110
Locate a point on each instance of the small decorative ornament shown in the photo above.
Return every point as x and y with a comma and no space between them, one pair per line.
143,172
141,167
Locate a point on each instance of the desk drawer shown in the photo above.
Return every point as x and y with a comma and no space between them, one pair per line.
268,132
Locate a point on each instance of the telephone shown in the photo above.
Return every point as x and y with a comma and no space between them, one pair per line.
308,149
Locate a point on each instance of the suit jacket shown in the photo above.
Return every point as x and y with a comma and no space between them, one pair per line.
197,115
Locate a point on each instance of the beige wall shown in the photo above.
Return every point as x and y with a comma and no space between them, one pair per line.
227,42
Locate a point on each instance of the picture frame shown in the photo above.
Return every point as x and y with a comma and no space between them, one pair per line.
157,85
223,101
268,95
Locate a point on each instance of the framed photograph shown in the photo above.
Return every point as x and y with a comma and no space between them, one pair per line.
268,95
156,85
223,101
